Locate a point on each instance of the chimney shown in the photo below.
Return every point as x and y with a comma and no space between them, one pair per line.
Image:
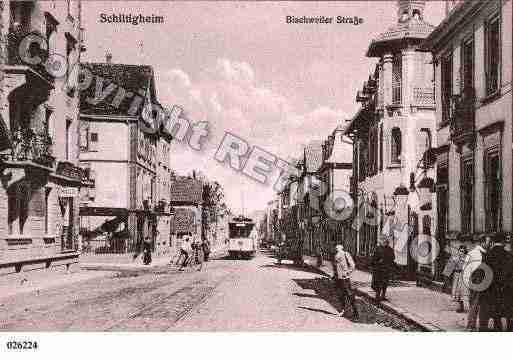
108,57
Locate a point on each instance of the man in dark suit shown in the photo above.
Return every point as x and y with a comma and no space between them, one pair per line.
495,301
382,268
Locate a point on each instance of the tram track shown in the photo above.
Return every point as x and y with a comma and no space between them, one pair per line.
165,311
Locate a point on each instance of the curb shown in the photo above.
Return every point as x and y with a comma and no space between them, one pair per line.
132,267
388,307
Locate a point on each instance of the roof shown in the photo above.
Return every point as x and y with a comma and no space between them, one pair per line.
132,78
342,151
410,29
183,221
361,114
457,15
186,190
313,157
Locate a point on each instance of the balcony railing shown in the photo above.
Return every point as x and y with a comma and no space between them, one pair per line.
31,146
34,39
462,114
423,96
68,169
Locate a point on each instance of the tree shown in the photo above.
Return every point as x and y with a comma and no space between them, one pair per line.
213,205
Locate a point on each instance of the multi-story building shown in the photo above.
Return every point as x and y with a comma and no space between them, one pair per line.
391,134
39,158
271,219
473,73
335,174
130,163
186,197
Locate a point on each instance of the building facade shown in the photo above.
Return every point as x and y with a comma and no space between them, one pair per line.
186,198
131,164
391,133
473,73
335,174
41,43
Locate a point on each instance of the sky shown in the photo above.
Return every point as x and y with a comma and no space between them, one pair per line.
242,69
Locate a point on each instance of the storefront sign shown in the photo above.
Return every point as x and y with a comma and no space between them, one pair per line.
69,192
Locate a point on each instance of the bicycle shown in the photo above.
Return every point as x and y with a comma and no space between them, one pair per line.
192,260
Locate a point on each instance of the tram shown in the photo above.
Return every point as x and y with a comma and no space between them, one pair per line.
242,237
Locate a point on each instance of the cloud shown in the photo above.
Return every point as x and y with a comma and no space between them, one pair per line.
235,71
228,96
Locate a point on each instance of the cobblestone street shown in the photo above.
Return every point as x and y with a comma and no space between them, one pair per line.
251,294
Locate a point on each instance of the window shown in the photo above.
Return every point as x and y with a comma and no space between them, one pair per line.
373,151
442,196
50,31
426,225
492,48
446,82
467,193
47,121
93,141
84,136
362,163
381,148
70,6
467,67
18,208
395,153
493,190
68,140
47,210
71,43
397,80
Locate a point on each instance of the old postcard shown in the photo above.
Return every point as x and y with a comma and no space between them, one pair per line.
206,166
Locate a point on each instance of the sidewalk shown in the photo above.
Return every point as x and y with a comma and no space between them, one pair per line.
126,263
431,310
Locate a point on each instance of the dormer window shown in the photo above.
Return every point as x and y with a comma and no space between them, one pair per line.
417,15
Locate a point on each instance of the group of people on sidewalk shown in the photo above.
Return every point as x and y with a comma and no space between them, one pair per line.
382,266
483,278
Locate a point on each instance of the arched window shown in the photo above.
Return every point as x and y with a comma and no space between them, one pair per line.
395,153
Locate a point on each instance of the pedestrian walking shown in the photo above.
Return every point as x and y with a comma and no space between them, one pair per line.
382,268
493,300
197,252
471,278
185,250
203,252
454,270
206,249
345,267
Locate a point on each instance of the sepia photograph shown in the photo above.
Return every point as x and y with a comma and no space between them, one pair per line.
255,167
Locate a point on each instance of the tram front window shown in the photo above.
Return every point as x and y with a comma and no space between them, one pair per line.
239,230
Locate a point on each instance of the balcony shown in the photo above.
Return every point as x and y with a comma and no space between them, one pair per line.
462,111
24,44
28,145
69,170
423,97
